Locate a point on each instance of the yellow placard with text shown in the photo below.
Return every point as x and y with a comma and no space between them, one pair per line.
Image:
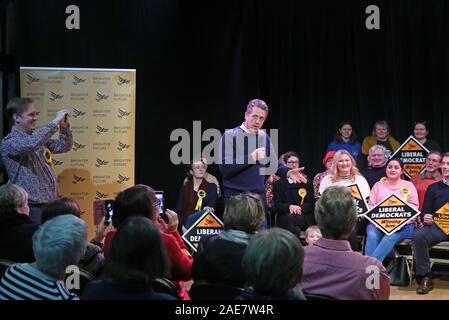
360,202
413,156
101,104
207,224
391,214
441,218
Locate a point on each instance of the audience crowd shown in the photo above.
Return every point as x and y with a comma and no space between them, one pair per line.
300,239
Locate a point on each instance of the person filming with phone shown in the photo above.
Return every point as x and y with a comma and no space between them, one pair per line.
26,152
142,200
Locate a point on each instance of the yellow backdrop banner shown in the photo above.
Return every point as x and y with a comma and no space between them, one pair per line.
101,103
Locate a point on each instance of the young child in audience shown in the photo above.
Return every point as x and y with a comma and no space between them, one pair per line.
313,233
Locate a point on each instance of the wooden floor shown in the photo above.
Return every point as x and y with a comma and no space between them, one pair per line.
440,292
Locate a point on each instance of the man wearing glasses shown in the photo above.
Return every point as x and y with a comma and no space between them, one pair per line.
26,152
431,175
248,156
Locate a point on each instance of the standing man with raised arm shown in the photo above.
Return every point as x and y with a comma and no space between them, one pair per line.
26,152
248,156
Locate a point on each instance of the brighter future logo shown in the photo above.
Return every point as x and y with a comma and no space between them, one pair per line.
31,79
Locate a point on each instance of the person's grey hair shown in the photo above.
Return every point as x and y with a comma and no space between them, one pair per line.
374,149
12,197
256,103
58,243
277,253
335,212
244,212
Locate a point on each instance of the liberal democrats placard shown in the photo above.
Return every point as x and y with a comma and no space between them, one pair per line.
206,225
441,218
360,202
391,214
413,156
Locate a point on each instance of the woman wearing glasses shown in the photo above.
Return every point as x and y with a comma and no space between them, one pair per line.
293,202
141,200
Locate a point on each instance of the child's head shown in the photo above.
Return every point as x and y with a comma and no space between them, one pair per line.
313,233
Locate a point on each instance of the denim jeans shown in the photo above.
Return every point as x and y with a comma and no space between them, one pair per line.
378,244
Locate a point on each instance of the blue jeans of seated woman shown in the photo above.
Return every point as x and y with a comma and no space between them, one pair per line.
378,244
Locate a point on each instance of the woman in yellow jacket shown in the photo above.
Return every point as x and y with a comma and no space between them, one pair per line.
381,135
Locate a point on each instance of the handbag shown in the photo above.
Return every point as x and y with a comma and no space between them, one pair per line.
399,271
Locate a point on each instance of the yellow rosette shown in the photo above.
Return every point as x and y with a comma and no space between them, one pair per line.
302,193
405,191
201,195
48,157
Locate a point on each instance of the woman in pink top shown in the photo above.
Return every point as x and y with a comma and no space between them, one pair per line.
378,244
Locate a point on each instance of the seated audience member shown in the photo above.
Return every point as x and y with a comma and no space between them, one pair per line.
16,228
93,258
421,132
197,194
313,233
269,187
431,175
345,173
141,200
293,202
378,244
57,244
219,257
346,138
327,162
273,265
381,135
128,274
436,198
331,268
377,163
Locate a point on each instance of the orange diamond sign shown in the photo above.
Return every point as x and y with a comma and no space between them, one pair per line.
207,224
413,156
391,214
360,202
441,218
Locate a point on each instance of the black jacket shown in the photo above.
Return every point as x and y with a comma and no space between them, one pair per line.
16,232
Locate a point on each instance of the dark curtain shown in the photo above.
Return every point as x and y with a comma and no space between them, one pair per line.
314,63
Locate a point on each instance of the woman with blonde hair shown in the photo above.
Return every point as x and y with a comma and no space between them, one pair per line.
344,173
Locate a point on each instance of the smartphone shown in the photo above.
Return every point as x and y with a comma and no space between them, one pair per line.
108,211
160,196
66,117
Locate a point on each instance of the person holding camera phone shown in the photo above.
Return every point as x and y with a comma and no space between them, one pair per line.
26,152
141,200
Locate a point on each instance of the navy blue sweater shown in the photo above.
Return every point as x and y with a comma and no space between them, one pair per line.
240,172
437,195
